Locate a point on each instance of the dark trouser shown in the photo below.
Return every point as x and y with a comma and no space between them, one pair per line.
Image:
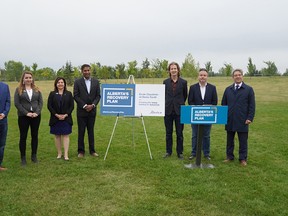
205,140
3,135
243,145
168,120
24,123
83,122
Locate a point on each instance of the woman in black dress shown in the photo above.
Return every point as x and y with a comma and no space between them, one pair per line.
61,105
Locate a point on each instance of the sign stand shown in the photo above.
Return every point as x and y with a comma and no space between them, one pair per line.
198,152
202,115
130,81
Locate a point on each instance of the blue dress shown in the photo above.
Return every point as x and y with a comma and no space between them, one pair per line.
61,127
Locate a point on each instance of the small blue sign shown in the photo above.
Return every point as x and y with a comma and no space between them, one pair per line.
204,114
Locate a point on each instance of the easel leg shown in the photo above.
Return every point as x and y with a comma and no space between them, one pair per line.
111,137
146,137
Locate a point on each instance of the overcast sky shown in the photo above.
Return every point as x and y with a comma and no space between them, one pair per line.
51,32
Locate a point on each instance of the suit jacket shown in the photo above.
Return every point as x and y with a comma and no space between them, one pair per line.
210,97
82,97
241,106
5,101
24,105
173,101
54,108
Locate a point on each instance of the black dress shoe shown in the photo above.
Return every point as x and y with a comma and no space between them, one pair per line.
166,155
23,161
34,158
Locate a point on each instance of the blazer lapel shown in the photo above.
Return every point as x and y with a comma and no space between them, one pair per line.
178,86
206,91
82,81
26,95
93,83
199,91
169,87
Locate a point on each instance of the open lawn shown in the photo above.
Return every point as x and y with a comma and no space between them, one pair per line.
129,183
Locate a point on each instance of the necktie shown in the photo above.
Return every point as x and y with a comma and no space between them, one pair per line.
237,87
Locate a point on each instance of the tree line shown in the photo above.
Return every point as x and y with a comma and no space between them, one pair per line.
147,69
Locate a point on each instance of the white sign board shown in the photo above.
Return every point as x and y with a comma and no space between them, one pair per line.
149,100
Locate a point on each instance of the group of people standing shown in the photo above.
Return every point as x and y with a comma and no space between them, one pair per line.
239,98
28,101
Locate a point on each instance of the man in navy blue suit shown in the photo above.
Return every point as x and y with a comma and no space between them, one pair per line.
4,110
175,96
240,100
202,93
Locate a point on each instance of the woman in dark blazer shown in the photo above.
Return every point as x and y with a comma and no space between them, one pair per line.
61,105
28,101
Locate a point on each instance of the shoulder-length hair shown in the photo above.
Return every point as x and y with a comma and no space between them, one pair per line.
21,85
56,81
177,65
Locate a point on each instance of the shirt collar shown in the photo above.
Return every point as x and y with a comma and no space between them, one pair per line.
240,84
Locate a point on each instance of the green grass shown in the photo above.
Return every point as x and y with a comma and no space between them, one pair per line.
129,183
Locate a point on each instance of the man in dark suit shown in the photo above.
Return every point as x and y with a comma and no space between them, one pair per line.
240,100
175,96
4,110
202,93
87,96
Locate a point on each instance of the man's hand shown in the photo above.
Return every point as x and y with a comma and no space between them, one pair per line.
2,116
88,108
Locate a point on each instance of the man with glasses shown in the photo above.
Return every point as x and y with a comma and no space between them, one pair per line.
240,100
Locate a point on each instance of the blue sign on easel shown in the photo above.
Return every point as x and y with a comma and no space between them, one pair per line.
118,99
204,114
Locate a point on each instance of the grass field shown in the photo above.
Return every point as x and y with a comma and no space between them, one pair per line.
129,183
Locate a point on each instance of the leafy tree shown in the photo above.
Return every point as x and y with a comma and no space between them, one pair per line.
27,68
208,67
251,68
67,72
95,69
46,74
34,67
2,74
270,70
189,67
226,70
145,64
145,71
77,72
13,70
104,73
164,67
159,68
132,69
120,72
285,73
